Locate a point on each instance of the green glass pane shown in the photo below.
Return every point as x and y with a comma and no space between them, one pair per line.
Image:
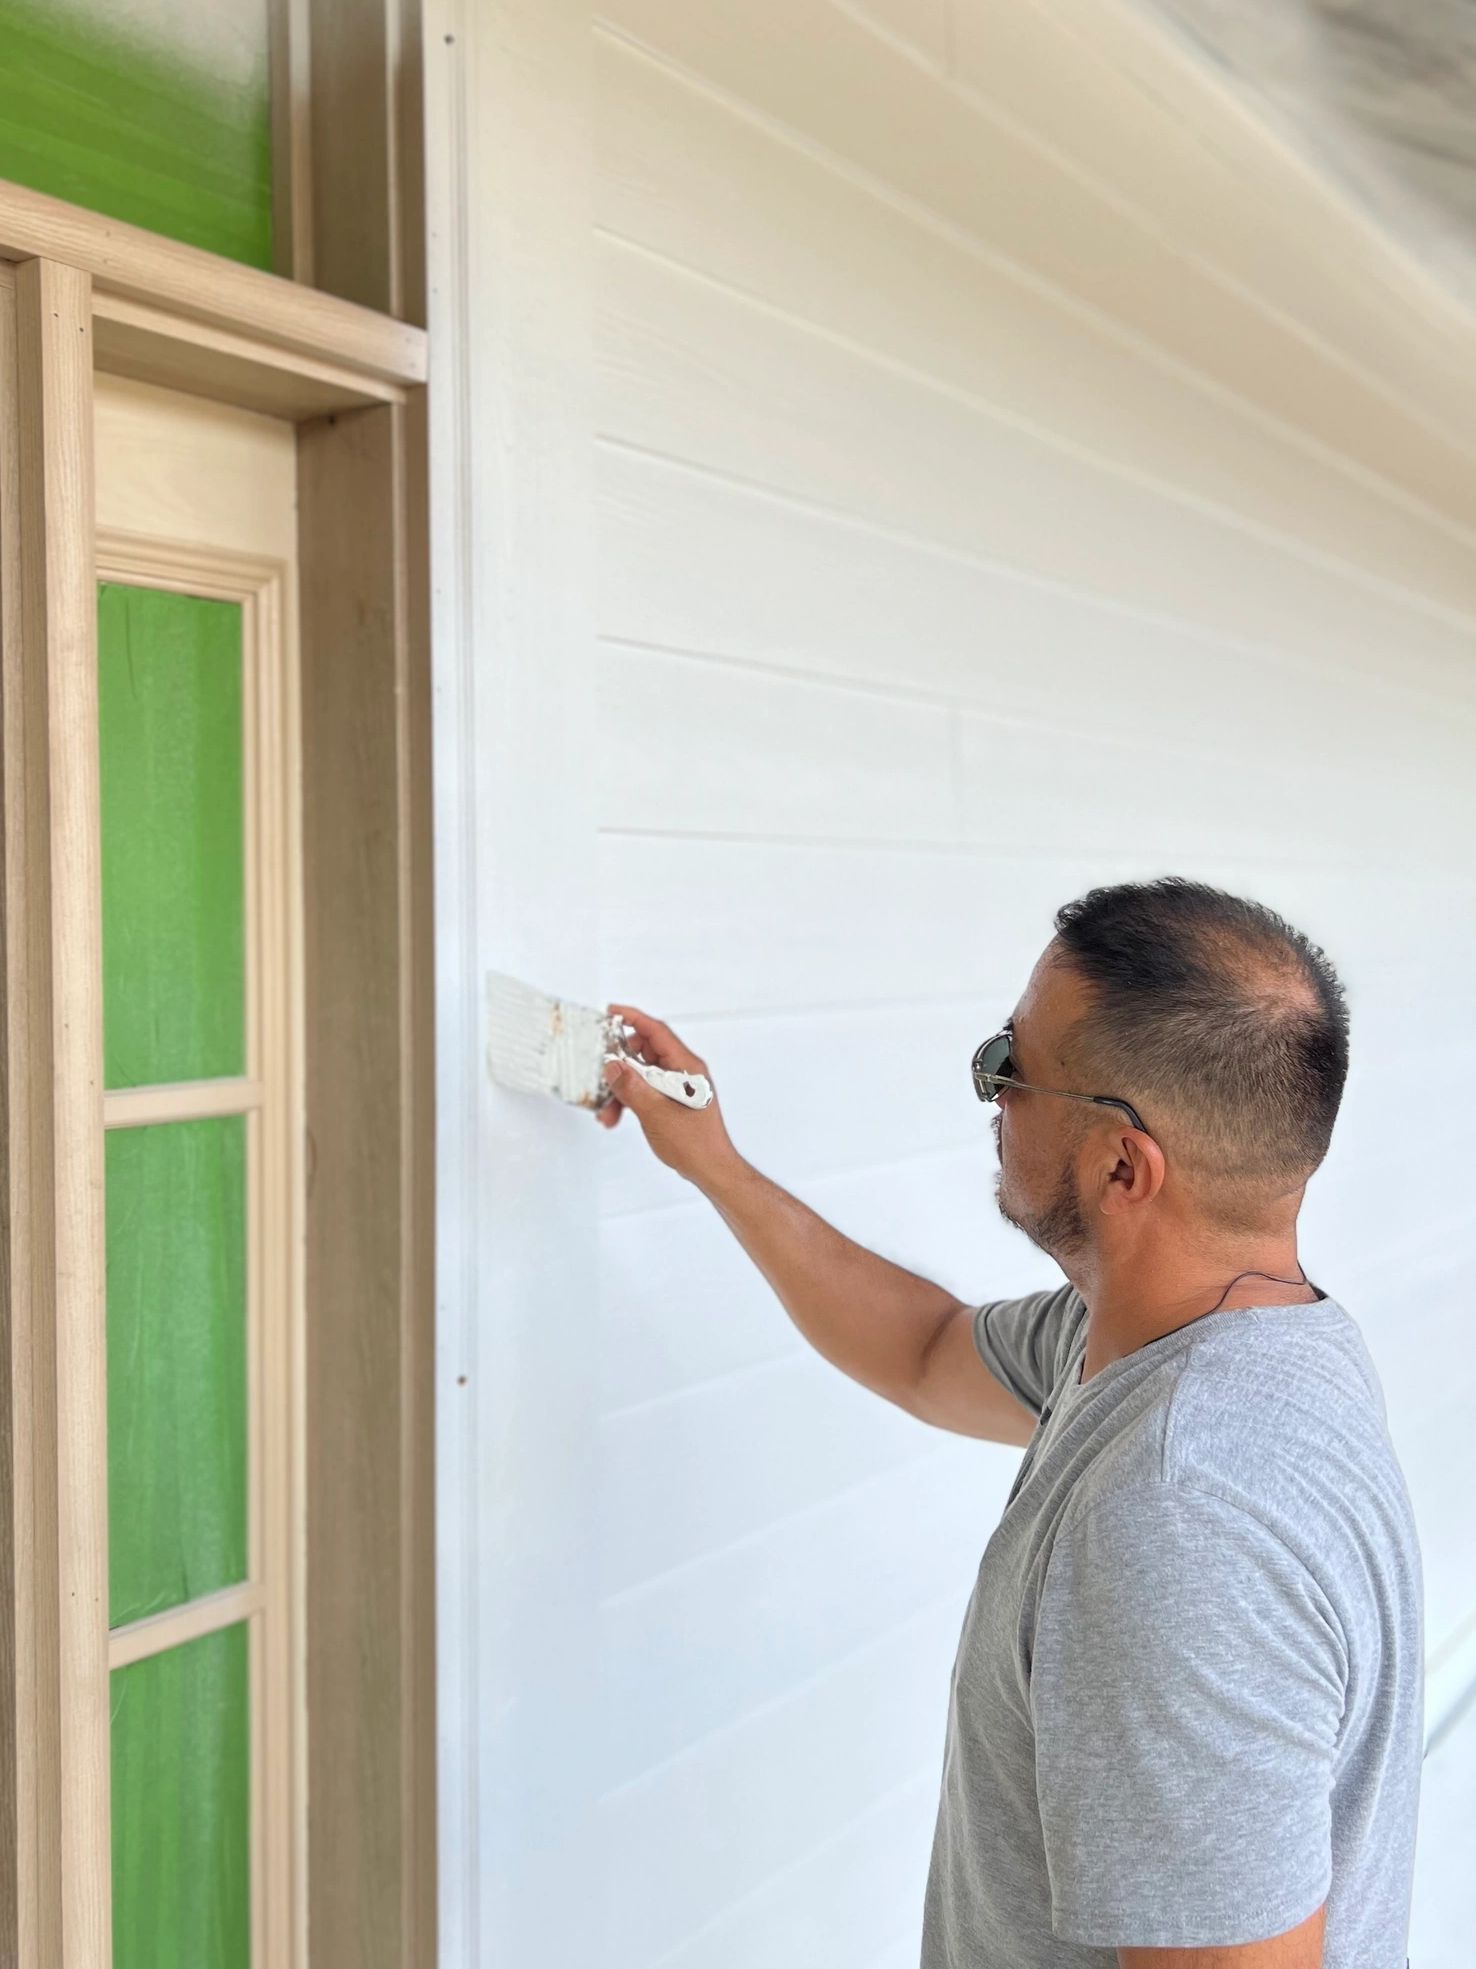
132,118
176,1318
181,1807
173,878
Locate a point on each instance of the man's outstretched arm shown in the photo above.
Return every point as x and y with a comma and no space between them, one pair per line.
896,1333
893,1331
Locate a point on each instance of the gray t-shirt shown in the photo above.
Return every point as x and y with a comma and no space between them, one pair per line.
1188,1701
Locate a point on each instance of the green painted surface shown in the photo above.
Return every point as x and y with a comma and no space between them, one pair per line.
93,113
181,1807
176,1362
173,891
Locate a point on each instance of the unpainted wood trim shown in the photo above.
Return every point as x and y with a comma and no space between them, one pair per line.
156,1632
371,1584
292,209
367,718
53,1137
367,146
270,1094
20,1804
184,1100
185,282
188,569
154,346
418,1181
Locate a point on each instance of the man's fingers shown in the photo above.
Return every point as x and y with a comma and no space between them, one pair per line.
648,1029
657,1042
629,1086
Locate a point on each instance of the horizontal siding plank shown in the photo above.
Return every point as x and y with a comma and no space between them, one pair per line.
1363,1199
923,27
750,1452
916,134
762,578
950,924
698,746
927,597
900,1953
1435,1450
1193,803
1116,93
825,1910
696,181
698,1650
752,1800
816,1096
963,925
758,754
690,373
935,1216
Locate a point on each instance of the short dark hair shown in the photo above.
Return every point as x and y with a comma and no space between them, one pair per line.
1224,1026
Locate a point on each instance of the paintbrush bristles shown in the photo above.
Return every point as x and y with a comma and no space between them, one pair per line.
542,1045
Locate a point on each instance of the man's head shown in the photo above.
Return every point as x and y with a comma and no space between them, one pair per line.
1227,1031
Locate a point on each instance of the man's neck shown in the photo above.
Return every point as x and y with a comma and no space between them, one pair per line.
1128,1312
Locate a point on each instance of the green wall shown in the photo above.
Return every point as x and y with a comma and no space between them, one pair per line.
128,112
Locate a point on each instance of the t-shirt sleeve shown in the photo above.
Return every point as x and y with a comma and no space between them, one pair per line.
1023,1341
1187,1683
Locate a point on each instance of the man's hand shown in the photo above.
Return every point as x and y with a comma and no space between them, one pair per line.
692,1141
1297,1948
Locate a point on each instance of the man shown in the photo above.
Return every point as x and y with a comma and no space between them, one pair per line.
1186,1715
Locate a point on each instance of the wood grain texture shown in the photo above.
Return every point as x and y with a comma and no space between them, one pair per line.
18,1889
370,1579
196,474
292,186
371,1608
143,266
155,347
368,181
19,1886
356,240
53,1135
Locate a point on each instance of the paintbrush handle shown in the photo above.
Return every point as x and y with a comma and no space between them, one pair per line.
693,1090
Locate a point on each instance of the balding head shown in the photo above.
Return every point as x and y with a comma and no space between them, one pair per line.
1224,1026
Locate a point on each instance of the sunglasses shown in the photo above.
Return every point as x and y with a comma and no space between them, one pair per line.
994,1069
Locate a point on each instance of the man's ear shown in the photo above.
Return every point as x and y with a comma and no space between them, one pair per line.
1135,1170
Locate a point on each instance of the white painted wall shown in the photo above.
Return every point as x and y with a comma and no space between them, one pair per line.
875,502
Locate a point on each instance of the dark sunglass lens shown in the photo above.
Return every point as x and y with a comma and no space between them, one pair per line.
991,1064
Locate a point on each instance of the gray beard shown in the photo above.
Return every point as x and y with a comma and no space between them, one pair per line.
1059,1229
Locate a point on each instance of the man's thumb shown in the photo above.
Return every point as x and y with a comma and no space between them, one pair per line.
623,1079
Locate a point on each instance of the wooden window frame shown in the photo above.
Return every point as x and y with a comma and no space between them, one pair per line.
267,1094
78,290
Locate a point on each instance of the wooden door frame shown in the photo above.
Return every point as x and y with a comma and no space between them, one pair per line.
79,291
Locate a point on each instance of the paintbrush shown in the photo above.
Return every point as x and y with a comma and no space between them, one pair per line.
542,1045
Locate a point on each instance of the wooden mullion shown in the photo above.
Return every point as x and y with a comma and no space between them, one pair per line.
57,1705
181,1100
157,1633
